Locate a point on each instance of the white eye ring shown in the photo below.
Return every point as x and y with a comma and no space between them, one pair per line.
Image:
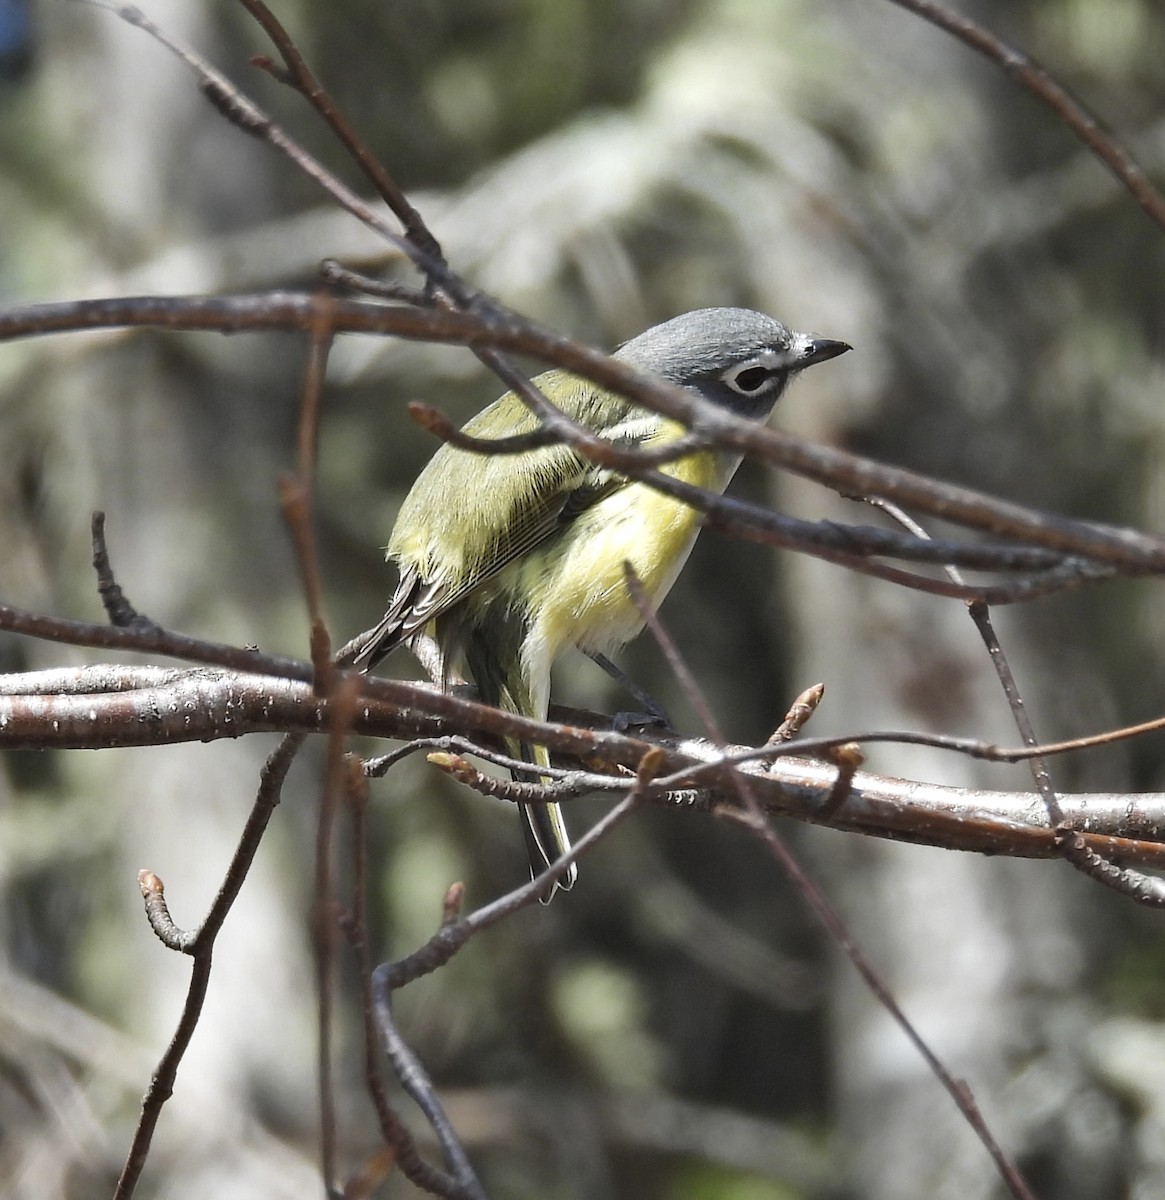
750,378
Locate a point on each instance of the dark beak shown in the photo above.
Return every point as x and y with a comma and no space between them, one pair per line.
818,349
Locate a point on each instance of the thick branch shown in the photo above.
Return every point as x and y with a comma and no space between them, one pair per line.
205,705
848,473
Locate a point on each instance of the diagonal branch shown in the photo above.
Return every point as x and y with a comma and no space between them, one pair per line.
201,947
1034,79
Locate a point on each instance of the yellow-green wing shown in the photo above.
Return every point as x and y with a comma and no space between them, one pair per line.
469,515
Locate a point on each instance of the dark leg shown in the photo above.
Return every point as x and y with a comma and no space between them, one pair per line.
652,710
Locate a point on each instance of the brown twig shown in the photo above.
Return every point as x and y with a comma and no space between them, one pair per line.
453,935
297,497
454,932
113,599
800,711
325,909
201,947
387,289
753,819
1031,76
314,374
568,784
1085,858
300,76
751,815
295,503
158,915
847,757
354,926
243,112
1134,884
1120,549
455,745
150,640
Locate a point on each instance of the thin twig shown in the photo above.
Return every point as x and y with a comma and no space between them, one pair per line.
751,815
314,373
569,784
800,711
114,600
324,913
355,928
556,428
201,949
300,76
1135,884
295,503
158,915
454,932
847,757
243,112
1138,886
755,821
387,289
1030,75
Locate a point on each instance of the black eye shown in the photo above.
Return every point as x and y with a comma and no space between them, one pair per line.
751,379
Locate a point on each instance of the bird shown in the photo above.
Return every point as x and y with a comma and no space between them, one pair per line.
507,560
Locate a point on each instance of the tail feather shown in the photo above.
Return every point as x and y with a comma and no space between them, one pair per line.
394,627
489,647
546,842
495,653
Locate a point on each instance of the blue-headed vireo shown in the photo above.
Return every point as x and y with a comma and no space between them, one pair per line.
508,559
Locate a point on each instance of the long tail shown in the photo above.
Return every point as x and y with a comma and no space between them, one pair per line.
414,604
494,646
545,831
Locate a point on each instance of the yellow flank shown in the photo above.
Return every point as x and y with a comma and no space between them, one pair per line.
568,589
579,579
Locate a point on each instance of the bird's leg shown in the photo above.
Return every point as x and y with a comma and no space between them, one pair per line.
653,712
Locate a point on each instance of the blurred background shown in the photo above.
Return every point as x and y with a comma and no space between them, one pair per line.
677,1027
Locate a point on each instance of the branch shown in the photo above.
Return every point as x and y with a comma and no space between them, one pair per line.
184,706
752,815
1124,549
1034,79
200,946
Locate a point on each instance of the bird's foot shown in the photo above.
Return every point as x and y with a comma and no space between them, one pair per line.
625,722
653,714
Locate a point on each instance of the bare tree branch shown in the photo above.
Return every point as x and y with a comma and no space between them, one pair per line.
200,946
201,705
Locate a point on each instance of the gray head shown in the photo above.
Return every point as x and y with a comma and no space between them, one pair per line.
734,356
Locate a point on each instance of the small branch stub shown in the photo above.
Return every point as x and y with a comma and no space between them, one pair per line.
158,915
